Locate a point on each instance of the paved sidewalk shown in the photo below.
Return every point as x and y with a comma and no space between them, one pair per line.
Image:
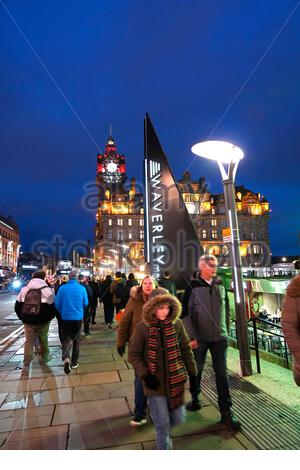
91,408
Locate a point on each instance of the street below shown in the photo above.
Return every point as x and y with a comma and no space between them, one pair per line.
9,321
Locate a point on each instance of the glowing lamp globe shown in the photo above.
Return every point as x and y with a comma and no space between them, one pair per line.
223,152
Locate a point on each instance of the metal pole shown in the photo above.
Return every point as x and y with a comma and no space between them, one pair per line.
236,264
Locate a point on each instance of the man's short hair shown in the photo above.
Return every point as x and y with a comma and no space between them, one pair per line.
207,258
73,274
167,274
81,277
118,274
39,275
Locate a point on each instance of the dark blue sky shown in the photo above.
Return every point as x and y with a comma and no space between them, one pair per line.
184,62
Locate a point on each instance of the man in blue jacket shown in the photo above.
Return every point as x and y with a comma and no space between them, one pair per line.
71,301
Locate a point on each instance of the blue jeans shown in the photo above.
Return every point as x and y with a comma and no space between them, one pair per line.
218,351
163,419
140,399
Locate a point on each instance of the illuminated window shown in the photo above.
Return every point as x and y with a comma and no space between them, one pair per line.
256,249
109,222
213,210
142,211
120,222
214,222
214,234
204,234
130,222
141,234
141,222
130,235
110,235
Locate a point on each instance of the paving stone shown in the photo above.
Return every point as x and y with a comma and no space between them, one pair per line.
127,375
90,379
2,398
91,392
98,358
90,411
111,432
126,447
21,385
38,417
52,382
121,389
3,437
101,366
48,438
52,397
221,441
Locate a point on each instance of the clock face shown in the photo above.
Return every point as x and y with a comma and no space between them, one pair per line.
111,167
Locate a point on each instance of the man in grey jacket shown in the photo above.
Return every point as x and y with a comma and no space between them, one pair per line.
206,318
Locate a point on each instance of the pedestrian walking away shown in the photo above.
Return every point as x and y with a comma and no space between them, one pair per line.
131,317
87,311
206,318
161,355
35,308
93,307
106,297
167,282
71,302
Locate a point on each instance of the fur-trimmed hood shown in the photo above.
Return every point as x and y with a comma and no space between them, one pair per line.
136,293
293,289
153,303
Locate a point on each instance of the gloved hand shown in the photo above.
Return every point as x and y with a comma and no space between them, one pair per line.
151,381
194,386
121,350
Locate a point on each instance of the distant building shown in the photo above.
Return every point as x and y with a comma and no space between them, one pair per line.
208,213
9,244
119,231
119,237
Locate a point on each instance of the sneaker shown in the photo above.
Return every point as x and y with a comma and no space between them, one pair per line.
137,421
67,367
109,325
231,421
193,405
74,365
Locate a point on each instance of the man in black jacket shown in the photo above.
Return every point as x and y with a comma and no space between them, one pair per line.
206,318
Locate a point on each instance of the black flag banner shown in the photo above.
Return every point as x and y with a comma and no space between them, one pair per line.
171,241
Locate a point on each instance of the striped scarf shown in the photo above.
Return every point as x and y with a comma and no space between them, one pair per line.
176,370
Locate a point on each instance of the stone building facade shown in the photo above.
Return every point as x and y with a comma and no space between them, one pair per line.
9,244
119,231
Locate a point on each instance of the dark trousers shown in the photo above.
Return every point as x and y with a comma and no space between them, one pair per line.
140,399
108,312
93,309
86,319
218,351
70,332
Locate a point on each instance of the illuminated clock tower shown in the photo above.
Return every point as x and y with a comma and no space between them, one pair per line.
111,167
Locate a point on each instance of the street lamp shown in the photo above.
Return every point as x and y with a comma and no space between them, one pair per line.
228,154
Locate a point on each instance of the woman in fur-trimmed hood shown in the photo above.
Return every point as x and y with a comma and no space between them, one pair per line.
291,323
160,353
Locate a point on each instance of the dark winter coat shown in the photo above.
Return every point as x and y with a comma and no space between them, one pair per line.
168,284
138,345
94,286
105,296
206,311
132,315
291,323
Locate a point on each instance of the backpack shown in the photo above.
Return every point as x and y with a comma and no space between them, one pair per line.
32,302
121,291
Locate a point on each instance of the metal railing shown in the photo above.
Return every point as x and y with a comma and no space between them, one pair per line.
266,336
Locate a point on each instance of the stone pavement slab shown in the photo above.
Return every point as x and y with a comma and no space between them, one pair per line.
37,417
48,438
89,411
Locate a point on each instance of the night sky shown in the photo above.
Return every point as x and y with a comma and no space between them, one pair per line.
203,69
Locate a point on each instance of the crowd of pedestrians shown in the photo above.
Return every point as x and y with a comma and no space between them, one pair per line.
167,340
